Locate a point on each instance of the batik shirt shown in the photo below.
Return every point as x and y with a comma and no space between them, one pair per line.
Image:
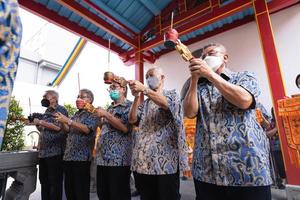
79,145
10,37
231,148
10,41
52,143
114,147
160,143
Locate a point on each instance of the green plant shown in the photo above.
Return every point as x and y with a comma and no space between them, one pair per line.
71,109
107,105
14,132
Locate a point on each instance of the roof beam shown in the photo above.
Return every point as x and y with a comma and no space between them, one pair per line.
168,9
222,29
150,6
52,16
198,22
276,5
85,13
103,8
125,24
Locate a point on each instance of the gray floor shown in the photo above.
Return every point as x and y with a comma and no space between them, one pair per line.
186,189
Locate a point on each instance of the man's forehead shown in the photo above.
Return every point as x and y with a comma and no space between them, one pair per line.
114,84
152,72
46,95
212,48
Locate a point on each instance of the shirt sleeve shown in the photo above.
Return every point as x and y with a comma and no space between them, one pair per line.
249,82
125,115
175,107
91,121
140,113
64,111
185,89
10,37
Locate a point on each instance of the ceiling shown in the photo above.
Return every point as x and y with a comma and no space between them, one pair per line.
139,25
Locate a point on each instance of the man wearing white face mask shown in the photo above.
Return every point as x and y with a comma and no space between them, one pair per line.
159,147
231,151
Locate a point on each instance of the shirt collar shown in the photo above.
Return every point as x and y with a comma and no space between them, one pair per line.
51,109
124,103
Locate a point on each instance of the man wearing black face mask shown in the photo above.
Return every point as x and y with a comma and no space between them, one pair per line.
159,150
51,148
231,156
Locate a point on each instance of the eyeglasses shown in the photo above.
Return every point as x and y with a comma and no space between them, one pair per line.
82,97
211,53
113,87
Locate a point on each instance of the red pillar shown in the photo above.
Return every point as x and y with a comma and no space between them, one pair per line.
139,66
275,81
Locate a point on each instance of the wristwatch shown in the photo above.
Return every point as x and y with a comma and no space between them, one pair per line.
146,91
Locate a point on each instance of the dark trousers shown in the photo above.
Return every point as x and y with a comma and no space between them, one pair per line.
206,191
158,187
113,183
51,177
77,180
279,163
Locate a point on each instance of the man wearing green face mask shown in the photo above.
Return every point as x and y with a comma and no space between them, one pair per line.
114,146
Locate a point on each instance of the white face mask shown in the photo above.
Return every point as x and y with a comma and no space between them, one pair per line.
214,62
153,82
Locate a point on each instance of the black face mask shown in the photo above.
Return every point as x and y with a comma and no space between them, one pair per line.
45,103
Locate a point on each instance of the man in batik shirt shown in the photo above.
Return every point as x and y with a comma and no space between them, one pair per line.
51,147
114,146
231,157
81,131
159,151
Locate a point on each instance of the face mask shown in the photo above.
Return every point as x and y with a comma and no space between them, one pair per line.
213,62
80,103
114,95
45,103
153,82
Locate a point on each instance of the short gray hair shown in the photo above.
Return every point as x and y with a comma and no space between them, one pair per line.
53,93
157,69
89,93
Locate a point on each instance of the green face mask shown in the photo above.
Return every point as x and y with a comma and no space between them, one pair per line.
114,95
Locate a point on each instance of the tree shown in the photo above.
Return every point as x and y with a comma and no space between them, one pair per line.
14,132
71,109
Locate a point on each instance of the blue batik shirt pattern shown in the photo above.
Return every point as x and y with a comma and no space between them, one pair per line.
160,143
10,42
52,143
114,148
80,145
231,148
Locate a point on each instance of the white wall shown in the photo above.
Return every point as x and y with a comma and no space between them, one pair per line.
91,65
243,46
